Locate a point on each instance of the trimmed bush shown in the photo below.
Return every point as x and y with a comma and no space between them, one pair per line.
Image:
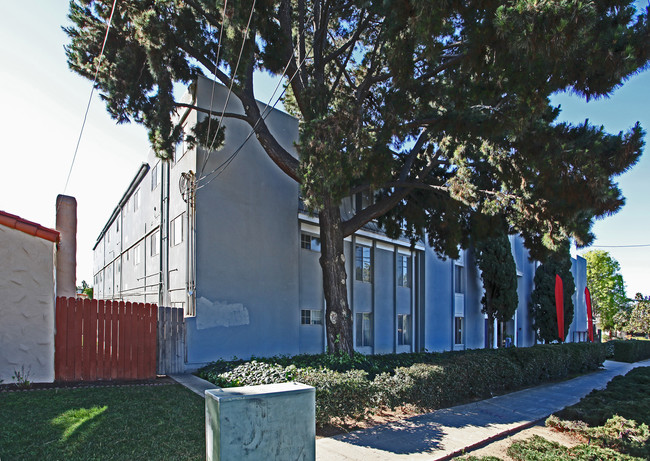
339,395
348,387
631,350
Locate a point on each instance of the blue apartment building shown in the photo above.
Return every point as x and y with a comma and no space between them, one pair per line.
239,254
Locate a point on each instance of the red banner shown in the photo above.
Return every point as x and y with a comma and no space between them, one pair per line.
559,306
590,318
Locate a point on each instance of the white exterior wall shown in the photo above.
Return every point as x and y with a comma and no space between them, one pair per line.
27,294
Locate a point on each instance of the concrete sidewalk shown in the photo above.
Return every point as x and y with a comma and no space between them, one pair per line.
446,433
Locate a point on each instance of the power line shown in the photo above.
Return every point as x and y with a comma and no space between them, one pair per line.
90,98
620,246
267,110
216,68
232,81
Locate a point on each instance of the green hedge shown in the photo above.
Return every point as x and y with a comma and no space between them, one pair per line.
631,350
426,380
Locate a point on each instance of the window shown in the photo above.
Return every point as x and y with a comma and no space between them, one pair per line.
403,329
108,236
458,330
364,330
154,243
309,242
311,317
363,264
459,285
136,255
403,265
176,231
136,200
117,226
155,177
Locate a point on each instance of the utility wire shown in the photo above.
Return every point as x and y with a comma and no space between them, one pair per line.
261,115
222,167
90,98
619,246
232,81
216,68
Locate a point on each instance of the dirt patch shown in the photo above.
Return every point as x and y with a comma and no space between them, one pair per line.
381,416
499,448
159,381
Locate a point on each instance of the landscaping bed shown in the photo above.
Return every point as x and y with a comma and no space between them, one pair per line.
353,387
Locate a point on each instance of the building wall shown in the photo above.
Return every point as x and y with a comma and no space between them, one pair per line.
247,284
27,294
247,247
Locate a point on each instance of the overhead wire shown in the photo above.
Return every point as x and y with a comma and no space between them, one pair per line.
216,68
232,81
90,98
267,110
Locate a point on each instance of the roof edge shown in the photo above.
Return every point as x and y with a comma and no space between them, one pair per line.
29,227
135,182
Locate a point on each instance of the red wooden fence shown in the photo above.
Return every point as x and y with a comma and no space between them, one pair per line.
104,340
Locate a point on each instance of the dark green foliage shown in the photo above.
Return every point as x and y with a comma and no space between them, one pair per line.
630,351
539,449
124,422
499,275
606,287
441,108
350,386
616,417
543,307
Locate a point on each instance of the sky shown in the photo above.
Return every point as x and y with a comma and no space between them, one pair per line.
44,105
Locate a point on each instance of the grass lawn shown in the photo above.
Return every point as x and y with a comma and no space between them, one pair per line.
122,423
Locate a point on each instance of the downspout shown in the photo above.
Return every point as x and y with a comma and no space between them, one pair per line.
189,257
160,239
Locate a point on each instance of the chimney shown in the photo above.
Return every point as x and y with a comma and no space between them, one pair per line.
66,255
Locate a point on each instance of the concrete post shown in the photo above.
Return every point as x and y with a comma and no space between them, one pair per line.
66,255
273,421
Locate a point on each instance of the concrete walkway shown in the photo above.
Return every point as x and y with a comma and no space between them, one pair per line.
449,432
446,433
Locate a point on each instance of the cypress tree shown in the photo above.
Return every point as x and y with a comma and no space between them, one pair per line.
544,310
499,275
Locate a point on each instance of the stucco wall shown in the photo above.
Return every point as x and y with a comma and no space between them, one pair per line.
26,306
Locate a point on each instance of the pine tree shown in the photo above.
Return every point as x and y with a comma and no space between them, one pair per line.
543,305
441,108
499,275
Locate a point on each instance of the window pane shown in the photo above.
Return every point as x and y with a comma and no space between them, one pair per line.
458,327
403,265
363,265
458,280
316,317
403,329
304,317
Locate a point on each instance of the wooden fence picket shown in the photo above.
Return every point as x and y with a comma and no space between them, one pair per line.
97,340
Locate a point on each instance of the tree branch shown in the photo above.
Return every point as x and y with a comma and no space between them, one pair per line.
213,113
213,20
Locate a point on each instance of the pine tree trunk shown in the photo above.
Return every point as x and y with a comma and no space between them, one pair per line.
338,317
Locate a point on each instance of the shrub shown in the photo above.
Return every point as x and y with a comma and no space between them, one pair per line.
339,395
347,387
631,350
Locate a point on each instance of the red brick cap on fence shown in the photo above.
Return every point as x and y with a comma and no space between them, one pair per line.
28,227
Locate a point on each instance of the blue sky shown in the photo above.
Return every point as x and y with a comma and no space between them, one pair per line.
44,104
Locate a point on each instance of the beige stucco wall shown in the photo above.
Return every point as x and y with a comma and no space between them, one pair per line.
26,305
